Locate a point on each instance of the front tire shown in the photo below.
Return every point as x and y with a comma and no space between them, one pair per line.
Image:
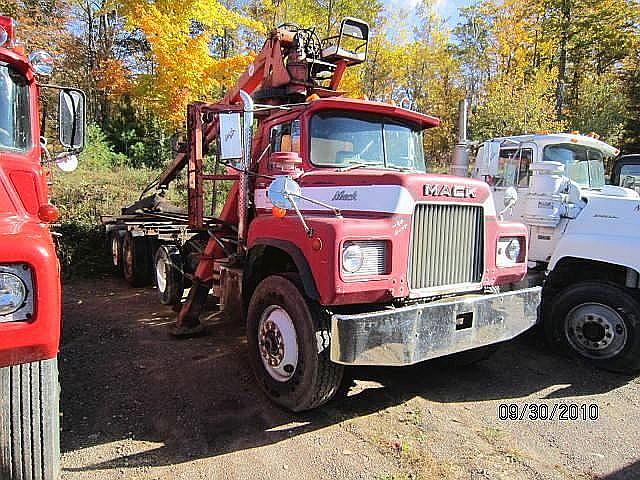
288,346
29,421
598,321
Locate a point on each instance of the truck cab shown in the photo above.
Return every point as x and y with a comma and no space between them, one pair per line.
29,269
626,172
583,239
334,246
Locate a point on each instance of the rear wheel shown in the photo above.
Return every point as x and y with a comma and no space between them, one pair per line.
29,421
289,347
169,275
136,260
116,250
598,321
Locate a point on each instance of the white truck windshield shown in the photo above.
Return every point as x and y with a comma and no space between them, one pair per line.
341,140
15,127
584,165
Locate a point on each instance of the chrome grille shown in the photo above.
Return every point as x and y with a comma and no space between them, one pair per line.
374,254
447,245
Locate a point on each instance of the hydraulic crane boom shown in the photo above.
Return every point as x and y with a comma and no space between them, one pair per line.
293,64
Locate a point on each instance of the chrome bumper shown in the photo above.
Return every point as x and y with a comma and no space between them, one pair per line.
407,335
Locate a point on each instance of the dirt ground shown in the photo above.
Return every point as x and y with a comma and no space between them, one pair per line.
139,404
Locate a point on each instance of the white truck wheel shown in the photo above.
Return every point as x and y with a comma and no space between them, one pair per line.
29,421
282,333
598,321
169,275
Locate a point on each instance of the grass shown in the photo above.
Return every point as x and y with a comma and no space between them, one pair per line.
84,195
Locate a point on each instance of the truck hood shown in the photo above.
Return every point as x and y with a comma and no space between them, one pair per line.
608,215
612,191
385,191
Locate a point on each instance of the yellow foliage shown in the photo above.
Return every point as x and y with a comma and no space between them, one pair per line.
179,34
112,77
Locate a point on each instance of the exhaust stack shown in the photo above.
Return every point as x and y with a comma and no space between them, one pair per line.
460,163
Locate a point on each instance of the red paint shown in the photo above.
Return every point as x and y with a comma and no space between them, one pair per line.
48,213
25,239
325,263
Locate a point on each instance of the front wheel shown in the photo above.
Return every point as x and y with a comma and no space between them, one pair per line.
289,347
600,322
29,421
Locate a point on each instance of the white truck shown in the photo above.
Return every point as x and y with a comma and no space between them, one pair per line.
584,240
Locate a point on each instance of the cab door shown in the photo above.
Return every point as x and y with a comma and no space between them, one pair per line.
513,170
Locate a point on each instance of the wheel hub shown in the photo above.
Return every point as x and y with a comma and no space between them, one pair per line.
277,342
596,330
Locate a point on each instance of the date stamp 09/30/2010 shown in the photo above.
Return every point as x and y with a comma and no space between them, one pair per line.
548,411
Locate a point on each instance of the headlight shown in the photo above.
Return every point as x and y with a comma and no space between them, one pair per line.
364,257
509,251
352,258
16,293
13,293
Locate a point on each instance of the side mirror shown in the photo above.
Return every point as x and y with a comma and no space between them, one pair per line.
510,199
67,162
230,136
488,159
71,119
282,192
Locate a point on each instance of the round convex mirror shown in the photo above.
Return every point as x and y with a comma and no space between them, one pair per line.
42,62
510,197
67,162
280,191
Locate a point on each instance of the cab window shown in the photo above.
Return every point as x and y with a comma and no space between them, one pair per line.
15,125
513,167
285,137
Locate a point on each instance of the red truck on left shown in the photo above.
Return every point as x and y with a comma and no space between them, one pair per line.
29,268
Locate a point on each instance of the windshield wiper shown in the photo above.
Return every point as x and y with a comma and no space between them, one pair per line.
353,165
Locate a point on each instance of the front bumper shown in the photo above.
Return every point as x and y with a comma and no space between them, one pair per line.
408,335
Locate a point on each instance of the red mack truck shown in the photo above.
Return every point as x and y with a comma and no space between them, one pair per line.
29,268
334,245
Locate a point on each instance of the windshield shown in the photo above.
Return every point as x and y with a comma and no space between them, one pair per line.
344,140
584,165
15,131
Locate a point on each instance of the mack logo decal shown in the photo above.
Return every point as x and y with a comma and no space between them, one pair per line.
345,196
457,191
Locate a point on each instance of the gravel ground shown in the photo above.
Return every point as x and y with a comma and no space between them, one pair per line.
138,404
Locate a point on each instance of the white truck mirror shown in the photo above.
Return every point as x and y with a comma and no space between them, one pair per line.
488,159
230,136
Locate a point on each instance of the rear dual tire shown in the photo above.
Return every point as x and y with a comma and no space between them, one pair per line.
29,421
169,275
136,260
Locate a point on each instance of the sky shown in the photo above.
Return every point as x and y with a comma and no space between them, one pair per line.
448,9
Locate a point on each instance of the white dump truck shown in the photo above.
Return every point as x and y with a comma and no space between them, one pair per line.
584,240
